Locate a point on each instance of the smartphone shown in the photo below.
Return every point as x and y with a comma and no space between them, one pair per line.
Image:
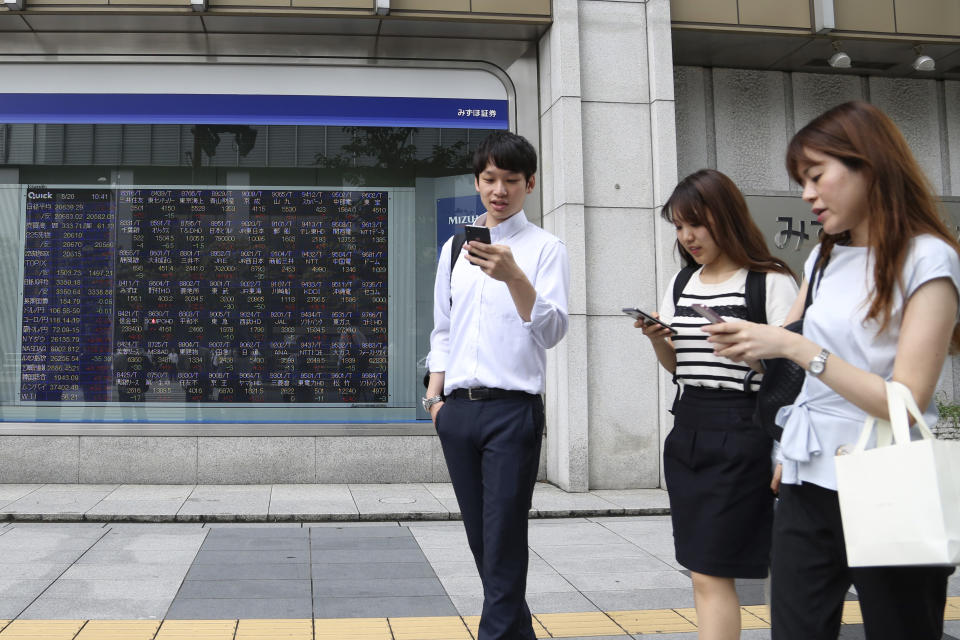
707,313
477,234
647,318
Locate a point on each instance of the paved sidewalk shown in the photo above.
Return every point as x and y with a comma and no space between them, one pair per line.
368,574
291,502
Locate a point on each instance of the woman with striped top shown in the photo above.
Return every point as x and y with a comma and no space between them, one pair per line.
717,463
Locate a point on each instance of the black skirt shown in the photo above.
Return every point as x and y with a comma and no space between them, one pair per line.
718,471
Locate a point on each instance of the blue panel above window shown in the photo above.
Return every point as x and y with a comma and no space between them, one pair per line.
142,108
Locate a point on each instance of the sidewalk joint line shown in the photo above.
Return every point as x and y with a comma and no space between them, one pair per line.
85,623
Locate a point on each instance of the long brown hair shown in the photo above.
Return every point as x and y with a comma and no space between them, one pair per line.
711,199
901,203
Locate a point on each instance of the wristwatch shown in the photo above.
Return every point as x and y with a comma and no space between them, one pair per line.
429,402
818,364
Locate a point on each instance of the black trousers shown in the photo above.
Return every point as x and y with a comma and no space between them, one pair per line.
492,449
810,578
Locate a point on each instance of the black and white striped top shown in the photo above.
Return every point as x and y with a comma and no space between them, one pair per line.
696,363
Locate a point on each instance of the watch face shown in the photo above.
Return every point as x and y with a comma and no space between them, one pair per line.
816,367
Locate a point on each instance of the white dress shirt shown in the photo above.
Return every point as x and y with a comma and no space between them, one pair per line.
480,340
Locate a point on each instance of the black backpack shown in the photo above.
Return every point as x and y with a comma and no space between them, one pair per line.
455,246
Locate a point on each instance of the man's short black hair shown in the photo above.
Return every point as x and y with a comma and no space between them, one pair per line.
507,151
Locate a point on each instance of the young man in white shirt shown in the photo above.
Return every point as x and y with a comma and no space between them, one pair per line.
503,306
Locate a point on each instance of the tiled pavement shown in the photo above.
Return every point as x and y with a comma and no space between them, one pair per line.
597,576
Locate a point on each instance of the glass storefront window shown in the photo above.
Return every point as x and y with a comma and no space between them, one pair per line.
222,272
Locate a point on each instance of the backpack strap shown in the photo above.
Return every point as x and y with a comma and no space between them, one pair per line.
756,300
756,296
680,282
456,245
818,268
814,283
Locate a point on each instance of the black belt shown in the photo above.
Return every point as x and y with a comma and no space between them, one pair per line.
484,393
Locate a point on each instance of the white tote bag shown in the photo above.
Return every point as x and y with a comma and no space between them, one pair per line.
900,502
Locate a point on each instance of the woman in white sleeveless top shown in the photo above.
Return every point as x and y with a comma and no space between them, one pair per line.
885,308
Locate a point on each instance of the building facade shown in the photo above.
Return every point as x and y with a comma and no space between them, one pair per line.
220,221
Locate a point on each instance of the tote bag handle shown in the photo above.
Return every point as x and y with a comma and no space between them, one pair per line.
900,403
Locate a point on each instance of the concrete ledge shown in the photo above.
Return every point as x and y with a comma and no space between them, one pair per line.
293,503
369,454
357,456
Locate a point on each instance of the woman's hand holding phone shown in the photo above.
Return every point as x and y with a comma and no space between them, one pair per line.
653,331
708,313
650,324
658,333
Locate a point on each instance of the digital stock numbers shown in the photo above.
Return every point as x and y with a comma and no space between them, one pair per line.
204,295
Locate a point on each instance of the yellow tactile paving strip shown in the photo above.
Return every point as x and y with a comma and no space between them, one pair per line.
443,628
952,611
750,617
761,611
546,625
352,629
42,629
573,625
274,630
119,630
653,621
851,613
473,623
197,630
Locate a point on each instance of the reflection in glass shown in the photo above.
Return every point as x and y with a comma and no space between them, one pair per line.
183,272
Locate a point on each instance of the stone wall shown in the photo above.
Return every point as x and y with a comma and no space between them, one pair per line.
609,162
754,113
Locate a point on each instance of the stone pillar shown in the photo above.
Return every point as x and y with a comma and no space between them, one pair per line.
664,152
609,162
561,174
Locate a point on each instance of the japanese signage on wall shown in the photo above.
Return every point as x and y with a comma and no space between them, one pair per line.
792,232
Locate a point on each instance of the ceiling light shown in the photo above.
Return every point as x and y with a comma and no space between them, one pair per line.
13,5
923,62
381,7
840,59
198,5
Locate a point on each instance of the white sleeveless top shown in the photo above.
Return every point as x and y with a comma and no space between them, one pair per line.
821,420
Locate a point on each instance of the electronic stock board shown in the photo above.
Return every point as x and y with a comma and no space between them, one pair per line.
204,295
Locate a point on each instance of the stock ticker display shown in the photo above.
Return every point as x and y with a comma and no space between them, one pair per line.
204,295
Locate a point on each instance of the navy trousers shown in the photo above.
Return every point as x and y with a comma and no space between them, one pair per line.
492,449
810,578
